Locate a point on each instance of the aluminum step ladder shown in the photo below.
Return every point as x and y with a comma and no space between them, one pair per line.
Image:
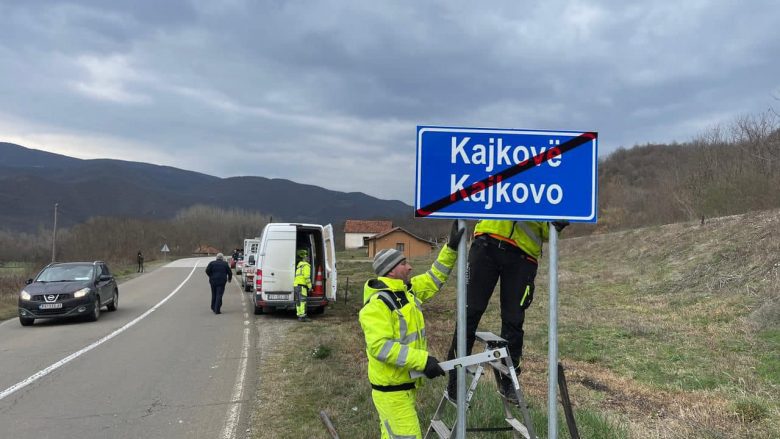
496,357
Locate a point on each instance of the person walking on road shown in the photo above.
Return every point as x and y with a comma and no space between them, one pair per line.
140,260
394,328
510,251
302,284
219,274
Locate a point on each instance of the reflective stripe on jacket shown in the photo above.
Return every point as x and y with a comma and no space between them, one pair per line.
528,235
393,322
303,275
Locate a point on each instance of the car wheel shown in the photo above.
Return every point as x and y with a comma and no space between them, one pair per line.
26,321
115,302
258,310
96,311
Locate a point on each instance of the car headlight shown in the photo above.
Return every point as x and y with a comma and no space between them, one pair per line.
25,295
81,293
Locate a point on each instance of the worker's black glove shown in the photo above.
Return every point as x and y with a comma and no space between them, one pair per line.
455,236
432,368
560,225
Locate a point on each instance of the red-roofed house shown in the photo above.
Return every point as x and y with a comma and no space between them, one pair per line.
205,250
357,232
408,243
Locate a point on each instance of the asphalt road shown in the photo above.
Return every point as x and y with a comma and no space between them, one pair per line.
161,366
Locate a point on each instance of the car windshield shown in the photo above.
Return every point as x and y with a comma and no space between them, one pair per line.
66,273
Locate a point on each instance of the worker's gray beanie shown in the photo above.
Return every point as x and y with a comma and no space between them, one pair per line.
386,260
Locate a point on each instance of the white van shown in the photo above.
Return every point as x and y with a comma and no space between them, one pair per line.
251,249
276,266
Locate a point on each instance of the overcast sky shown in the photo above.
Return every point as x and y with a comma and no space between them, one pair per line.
330,92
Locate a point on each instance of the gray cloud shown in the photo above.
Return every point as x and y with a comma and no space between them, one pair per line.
329,93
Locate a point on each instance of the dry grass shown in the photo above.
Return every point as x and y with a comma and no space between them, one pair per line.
682,314
666,332
296,384
12,278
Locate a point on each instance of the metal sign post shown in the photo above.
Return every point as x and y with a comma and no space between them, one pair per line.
506,174
460,426
552,351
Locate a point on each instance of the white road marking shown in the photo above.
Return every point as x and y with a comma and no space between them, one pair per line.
229,430
187,262
42,373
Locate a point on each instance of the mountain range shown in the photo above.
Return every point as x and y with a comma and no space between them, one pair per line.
32,181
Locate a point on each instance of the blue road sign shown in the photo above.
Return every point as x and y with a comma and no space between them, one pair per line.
485,173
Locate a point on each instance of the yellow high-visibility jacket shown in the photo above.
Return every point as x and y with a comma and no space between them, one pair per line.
303,275
528,235
393,322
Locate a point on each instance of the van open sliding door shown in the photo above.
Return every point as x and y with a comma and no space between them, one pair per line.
330,263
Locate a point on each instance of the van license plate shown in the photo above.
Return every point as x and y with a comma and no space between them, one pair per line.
278,296
50,306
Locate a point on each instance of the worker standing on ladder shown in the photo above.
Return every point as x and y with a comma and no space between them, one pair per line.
509,250
394,329
302,284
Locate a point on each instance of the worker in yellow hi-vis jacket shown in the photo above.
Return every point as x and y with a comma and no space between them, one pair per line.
394,329
302,284
509,251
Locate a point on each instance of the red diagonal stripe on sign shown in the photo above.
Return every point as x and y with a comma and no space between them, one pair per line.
506,174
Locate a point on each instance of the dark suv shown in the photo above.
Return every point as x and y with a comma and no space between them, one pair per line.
68,289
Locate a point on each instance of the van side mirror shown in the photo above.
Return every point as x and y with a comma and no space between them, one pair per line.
105,277
28,282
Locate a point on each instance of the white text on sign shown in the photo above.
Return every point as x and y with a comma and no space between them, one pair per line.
497,154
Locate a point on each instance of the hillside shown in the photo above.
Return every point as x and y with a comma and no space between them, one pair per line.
675,327
31,181
726,171
669,331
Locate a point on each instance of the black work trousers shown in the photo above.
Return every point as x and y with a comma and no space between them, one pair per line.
488,262
217,290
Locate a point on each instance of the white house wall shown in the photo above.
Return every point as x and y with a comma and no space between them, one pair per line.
355,240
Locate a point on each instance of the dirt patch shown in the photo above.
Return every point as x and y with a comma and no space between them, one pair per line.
668,413
270,352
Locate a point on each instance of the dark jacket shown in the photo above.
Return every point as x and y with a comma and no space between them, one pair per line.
219,272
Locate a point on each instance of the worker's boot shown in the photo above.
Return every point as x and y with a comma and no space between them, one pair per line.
303,319
507,390
452,385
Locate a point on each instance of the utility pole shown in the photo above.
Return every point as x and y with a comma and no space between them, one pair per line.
54,234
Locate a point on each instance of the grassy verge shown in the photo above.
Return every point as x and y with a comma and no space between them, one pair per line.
666,332
336,382
12,278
